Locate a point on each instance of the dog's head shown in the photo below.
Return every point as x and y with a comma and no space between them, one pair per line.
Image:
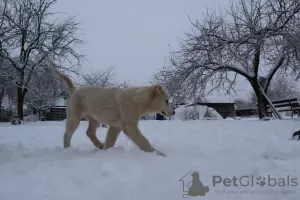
161,102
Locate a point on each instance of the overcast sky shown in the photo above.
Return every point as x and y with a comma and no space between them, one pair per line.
134,35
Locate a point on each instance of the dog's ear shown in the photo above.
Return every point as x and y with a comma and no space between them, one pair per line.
156,90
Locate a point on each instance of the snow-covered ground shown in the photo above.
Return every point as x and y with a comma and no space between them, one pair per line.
34,166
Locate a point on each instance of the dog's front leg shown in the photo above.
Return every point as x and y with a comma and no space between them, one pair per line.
111,137
133,132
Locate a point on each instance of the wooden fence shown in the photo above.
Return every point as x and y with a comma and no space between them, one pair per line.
56,113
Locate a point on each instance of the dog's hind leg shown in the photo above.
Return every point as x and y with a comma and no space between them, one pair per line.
71,126
111,137
133,132
91,133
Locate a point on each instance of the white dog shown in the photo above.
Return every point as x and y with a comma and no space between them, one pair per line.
120,109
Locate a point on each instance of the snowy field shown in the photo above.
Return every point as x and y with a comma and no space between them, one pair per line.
229,155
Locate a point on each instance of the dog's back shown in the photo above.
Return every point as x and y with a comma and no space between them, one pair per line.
96,102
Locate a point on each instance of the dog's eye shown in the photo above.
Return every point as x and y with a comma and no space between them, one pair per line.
167,101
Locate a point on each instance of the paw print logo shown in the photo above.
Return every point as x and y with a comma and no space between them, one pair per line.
261,181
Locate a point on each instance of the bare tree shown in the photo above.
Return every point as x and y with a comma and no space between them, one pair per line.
254,36
1,95
30,39
45,89
2,89
281,87
7,90
11,93
199,98
105,78
124,84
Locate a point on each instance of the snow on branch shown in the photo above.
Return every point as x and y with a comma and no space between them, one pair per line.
32,35
104,78
252,38
45,89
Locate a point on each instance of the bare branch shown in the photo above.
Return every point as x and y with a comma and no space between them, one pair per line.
255,37
104,78
31,39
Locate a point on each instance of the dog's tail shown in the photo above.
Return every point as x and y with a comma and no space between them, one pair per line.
67,80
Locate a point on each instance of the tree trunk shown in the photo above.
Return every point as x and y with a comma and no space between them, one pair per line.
20,102
262,111
1,96
20,95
